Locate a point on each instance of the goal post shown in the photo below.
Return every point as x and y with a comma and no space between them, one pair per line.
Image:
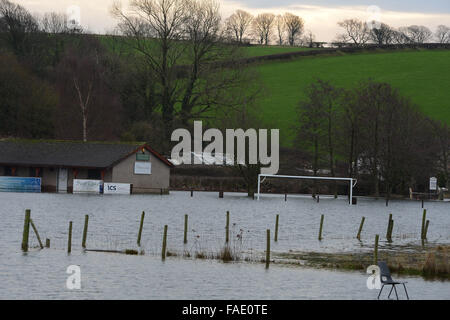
352,182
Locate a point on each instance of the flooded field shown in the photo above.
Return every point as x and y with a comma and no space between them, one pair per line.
114,223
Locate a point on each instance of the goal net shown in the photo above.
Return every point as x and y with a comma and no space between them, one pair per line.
350,181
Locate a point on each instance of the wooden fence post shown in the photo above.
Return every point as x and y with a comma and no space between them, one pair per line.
426,229
185,228
85,230
268,249
321,227
140,229
47,243
360,228
227,228
69,240
37,234
375,253
389,225
164,244
424,217
276,227
26,230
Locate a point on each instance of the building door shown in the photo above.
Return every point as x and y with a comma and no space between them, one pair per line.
62,180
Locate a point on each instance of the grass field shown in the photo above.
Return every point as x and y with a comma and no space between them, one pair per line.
255,51
423,75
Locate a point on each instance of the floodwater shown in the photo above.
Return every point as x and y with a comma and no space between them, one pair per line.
114,223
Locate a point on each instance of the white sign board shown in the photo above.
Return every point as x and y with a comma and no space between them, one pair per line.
141,167
433,184
116,188
87,186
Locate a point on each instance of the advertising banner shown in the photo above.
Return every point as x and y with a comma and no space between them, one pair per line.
116,188
87,186
20,184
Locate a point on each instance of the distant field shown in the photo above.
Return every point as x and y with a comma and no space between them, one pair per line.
424,76
255,51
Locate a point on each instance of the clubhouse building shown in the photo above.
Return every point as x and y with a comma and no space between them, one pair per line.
91,167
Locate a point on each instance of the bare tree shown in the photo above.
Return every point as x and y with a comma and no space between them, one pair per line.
281,28
443,34
18,26
238,24
263,25
418,34
400,36
382,35
163,21
53,22
309,39
356,31
294,27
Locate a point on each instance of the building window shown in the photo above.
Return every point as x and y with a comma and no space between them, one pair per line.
35,172
94,174
8,171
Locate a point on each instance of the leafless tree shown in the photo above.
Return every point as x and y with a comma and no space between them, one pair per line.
281,28
356,32
53,22
400,36
418,34
443,34
18,26
309,39
155,29
238,24
382,35
294,27
263,25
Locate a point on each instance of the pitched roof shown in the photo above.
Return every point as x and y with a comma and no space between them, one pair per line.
69,153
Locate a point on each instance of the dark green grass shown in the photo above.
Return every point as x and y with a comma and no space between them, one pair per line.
424,76
256,51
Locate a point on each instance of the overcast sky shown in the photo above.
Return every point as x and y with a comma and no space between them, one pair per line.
321,16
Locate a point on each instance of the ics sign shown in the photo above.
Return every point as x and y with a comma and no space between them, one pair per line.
116,188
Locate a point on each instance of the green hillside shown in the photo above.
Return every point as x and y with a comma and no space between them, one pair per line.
424,76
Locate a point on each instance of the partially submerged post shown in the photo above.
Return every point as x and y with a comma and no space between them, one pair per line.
36,233
192,193
424,217
185,228
426,229
85,229
318,198
390,230
227,228
140,229
69,240
285,197
389,225
321,227
47,243
164,244
26,230
375,253
268,249
276,227
360,228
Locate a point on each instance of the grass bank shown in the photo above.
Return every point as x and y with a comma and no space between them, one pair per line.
430,263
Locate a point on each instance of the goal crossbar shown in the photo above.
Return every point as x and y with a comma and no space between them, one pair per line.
352,182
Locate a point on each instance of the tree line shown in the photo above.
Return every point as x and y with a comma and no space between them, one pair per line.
372,133
159,71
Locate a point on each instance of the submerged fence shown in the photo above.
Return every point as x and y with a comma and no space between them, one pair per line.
232,243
